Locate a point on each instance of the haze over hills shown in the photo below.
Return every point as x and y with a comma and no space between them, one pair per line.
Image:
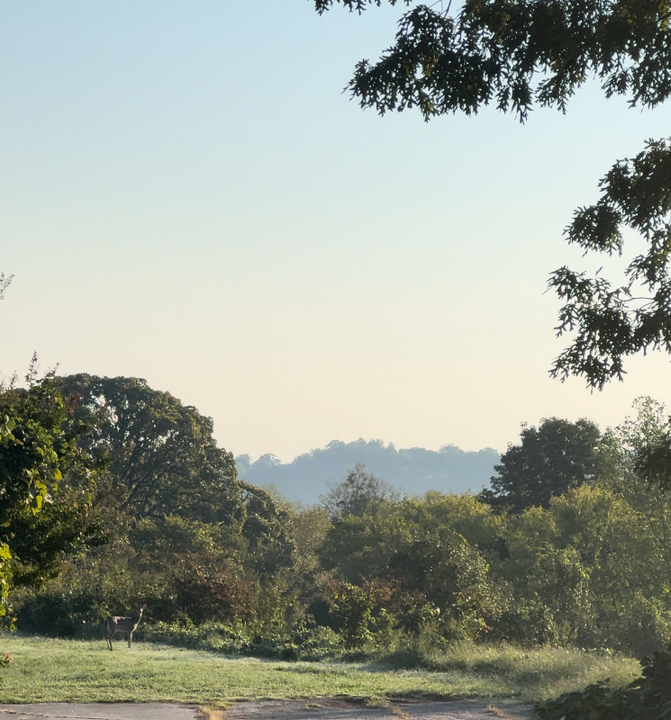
411,470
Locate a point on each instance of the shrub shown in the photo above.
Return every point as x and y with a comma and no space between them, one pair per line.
647,698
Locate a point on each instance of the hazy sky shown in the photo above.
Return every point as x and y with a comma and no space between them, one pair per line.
187,196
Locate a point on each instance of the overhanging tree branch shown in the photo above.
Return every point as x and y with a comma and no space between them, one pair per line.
520,53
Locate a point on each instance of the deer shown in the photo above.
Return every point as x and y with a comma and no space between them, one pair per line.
116,624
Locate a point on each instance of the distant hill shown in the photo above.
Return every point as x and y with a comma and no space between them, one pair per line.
412,470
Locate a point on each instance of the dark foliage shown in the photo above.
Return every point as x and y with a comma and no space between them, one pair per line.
612,323
518,53
268,531
653,460
213,591
550,459
515,53
648,698
444,571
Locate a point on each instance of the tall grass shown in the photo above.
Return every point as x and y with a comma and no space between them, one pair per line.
536,674
84,671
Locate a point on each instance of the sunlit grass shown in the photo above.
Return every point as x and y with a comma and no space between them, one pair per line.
82,671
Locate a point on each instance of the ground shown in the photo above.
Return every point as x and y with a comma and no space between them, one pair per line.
328,709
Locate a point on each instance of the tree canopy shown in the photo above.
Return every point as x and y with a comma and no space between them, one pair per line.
518,53
46,481
359,493
160,454
550,459
582,557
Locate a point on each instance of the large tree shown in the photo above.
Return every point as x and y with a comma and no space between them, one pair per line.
160,454
162,460
46,483
550,459
517,53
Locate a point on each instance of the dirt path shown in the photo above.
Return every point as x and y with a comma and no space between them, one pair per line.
346,709
327,709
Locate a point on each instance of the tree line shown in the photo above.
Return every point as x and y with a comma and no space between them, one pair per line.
116,494
413,470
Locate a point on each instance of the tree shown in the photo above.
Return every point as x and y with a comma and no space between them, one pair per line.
5,282
516,53
588,570
642,470
192,568
550,459
360,493
268,530
444,570
163,460
160,454
465,514
653,459
46,483
410,559
311,525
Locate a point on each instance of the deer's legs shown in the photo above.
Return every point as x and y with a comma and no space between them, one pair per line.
112,630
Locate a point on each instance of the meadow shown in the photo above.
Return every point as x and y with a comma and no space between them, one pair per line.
54,670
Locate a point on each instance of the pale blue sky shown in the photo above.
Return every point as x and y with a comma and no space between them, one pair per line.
187,196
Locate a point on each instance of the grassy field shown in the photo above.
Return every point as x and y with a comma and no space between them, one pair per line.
45,670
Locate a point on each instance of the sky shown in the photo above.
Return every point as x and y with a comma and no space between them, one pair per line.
188,196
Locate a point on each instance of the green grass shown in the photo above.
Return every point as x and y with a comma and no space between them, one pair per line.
82,671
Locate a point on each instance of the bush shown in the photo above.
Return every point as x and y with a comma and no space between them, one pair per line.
62,614
528,625
306,643
647,698
213,593
353,606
